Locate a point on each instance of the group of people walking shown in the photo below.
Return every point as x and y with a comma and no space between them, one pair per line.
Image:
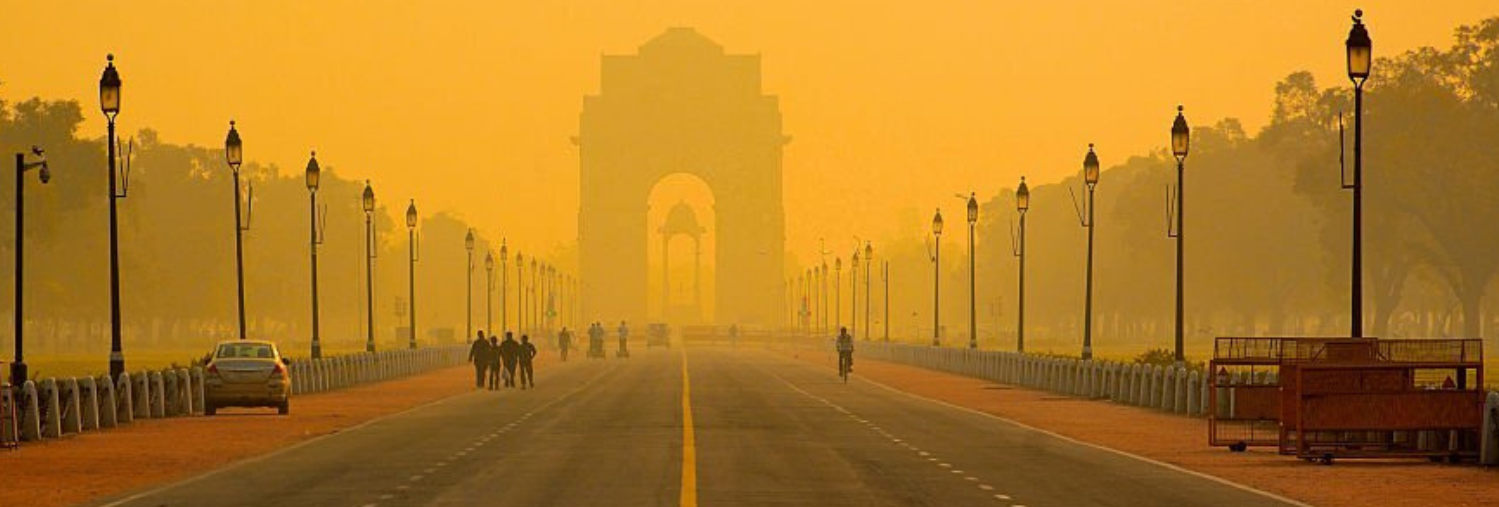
501,362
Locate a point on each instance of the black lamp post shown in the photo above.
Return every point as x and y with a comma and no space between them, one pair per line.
468,278
937,278
837,293
109,102
18,368
411,240
885,315
234,152
853,308
489,291
1090,177
822,292
1181,138
369,264
532,300
868,261
1360,60
1022,204
314,174
973,326
520,291
504,283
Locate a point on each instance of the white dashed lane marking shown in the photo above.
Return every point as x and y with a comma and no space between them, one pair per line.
897,441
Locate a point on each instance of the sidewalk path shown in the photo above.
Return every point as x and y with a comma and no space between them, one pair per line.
56,473
1182,442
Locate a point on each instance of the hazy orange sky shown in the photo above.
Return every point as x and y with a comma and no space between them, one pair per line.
893,106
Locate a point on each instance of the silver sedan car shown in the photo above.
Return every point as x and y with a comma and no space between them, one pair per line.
247,373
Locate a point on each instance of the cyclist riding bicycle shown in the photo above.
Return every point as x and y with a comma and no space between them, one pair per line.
845,349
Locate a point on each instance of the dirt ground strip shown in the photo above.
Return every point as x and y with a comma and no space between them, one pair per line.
1181,441
79,468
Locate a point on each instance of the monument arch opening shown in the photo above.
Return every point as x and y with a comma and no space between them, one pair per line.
681,105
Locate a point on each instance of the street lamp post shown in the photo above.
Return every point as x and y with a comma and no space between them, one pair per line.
520,291
411,240
936,278
1360,50
1181,137
853,308
109,103
234,151
1022,204
504,283
837,293
868,261
973,326
18,372
535,302
368,200
1085,217
822,276
885,276
468,279
489,291
315,238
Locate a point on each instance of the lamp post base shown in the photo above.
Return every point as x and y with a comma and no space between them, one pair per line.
1088,353
317,349
18,374
116,365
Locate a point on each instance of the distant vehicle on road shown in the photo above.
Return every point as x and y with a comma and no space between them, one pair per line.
657,334
246,373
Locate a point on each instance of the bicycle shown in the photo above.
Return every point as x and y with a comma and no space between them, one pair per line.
844,360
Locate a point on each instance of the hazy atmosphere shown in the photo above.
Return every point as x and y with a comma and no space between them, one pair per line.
988,200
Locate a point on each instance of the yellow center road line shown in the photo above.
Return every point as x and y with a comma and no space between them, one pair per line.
689,444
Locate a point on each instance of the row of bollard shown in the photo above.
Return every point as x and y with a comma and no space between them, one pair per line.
338,372
53,407
1170,389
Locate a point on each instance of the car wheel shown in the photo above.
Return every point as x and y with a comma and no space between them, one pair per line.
209,409
284,408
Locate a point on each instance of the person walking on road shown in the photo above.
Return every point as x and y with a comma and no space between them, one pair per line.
478,354
510,354
527,354
624,339
494,362
564,342
596,340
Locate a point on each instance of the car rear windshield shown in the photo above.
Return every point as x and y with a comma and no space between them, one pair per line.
245,351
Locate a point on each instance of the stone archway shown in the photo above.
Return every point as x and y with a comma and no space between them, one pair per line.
681,105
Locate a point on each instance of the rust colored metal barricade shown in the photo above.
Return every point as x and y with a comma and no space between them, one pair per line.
1244,402
1366,398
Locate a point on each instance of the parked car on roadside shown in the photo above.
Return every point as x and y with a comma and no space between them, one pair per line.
246,373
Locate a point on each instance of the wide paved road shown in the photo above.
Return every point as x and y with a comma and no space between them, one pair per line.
765,430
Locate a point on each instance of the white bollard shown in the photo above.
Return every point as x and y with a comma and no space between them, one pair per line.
1488,448
141,390
108,402
1168,389
1179,392
185,392
51,408
1194,393
125,398
158,395
72,409
90,391
170,393
200,394
1204,386
31,412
